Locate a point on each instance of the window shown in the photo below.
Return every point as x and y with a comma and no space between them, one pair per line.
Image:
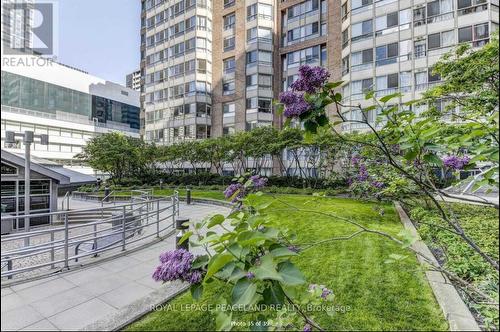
259,34
387,54
477,34
228,109
263,105
228,87
228,3
265,81
228,130
229,43
305,56
229,21
359,88
345,38
262,57
440,39
355,4
362,59
420,48
229,65
471,6
439,10
344,11
260,10
265,11
362,30
345,65
387,84
303,32
302,8
421,80
252,80
262,81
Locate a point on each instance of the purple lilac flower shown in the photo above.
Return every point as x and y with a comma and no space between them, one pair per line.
325,292
312,287
294,248
250,275
378,184
307,328
176,265
310,79
258,182
355,160
232,189
456,162
295,104
363,173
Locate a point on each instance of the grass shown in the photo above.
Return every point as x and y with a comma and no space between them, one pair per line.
379,296
481,224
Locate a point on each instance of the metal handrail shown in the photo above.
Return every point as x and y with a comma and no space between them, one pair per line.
67,197
106,197
132,222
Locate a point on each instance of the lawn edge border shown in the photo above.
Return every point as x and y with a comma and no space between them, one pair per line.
454,308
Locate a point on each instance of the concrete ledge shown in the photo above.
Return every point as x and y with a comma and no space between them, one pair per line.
454,309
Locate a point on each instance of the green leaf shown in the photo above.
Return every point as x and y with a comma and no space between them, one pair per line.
244,292
369,95
410,155
223,321
282,252
274,294
267,269
291,274
196,291
200,261
237,274
185,237
218,262
216,220
431,158
385,99
333,85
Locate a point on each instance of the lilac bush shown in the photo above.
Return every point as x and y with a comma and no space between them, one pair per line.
311,79
237,191
177,265
295,104
456,162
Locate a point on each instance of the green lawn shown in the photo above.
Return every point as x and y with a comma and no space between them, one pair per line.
379,296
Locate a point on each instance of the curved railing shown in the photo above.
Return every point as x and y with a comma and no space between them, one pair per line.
54,248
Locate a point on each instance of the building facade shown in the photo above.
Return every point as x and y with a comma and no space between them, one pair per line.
176,69
133,80
69,105
257,47
17,22
391,46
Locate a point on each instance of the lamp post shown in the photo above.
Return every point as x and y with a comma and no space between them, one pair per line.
28,137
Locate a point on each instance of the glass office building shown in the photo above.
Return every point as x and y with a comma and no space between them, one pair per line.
27,93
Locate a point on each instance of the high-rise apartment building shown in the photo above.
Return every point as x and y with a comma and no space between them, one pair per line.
17,22
176,66
391,46
133,80
254,50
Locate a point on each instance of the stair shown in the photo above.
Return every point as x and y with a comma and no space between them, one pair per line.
86,216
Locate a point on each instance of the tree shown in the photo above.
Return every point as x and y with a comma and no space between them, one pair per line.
112,153
470,86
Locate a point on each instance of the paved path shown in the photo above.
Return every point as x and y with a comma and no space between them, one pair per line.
98,296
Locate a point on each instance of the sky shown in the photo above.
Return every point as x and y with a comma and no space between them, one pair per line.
101,37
